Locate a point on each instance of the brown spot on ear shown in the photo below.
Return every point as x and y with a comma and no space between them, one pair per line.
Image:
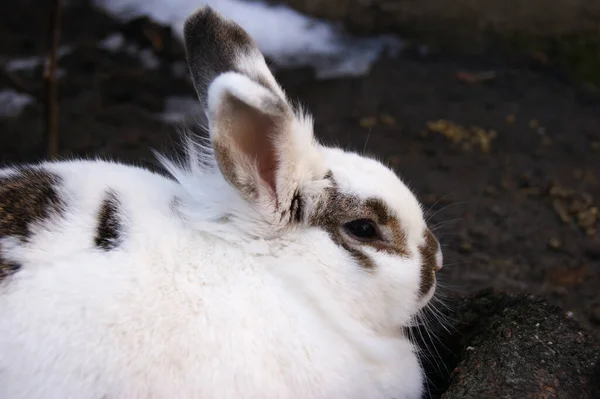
428,262
213,46
28,197
108,232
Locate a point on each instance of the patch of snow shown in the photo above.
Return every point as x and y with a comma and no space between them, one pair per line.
149,59
116,42
286,36
20,64
112,43
29,63
12,103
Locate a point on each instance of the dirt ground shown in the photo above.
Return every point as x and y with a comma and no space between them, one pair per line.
508,168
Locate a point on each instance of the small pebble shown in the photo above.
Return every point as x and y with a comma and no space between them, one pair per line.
367,122
592,250
387,119
595,314
466,247
491,191
554,243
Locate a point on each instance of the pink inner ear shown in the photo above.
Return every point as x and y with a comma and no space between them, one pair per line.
254,137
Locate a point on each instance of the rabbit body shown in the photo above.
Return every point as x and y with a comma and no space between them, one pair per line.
177,312
265,265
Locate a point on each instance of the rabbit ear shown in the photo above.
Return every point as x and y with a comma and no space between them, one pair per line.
262,148
215,45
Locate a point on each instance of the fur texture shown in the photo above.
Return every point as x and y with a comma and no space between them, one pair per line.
242,276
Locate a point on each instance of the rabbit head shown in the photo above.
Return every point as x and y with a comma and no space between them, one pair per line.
338,214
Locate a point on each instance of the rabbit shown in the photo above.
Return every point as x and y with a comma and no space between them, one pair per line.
262,264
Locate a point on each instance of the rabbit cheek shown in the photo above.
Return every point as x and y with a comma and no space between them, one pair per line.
28,198
429,263
108,231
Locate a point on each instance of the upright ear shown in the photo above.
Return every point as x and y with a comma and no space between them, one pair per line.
262,147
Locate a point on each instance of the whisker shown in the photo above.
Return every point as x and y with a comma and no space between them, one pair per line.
367,140
432,338
429,217
445,222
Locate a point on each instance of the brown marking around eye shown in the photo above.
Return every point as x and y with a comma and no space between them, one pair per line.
338,209
428,262
27,198
396,245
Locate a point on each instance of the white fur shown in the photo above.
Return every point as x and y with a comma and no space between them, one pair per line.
207,301
183,311
241,87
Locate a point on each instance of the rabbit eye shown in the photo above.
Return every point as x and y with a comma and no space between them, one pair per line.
362,229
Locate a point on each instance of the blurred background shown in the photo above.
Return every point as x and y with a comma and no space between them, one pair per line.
490,111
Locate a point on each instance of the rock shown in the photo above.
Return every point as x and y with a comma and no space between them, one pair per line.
592,250
498,345
595,314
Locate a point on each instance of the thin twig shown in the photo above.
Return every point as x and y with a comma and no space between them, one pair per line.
51,128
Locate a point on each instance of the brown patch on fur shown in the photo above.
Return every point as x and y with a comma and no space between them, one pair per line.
108,232
28,197
340,209
7,268
297,208
428,266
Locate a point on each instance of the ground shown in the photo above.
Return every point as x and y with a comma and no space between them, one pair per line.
507,167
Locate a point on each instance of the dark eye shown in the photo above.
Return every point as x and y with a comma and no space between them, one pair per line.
362,229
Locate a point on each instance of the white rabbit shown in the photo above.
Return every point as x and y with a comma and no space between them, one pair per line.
266,266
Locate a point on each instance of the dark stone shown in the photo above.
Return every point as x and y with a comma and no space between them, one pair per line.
592,250
510,346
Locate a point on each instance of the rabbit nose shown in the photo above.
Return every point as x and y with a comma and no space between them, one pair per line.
439,261
439,258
